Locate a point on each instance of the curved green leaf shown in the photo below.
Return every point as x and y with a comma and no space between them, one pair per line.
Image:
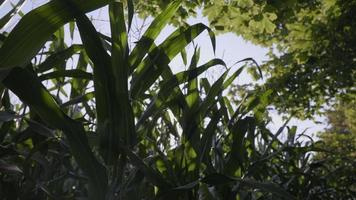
147,40
57,58
218,179
34,29
168,87
29,89
158,59
74,73
5,19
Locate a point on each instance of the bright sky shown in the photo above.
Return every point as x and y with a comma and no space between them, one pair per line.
230,48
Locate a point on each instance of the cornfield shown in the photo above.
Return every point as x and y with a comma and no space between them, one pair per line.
131,128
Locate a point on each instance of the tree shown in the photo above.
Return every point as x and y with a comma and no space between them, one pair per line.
339,155
312,56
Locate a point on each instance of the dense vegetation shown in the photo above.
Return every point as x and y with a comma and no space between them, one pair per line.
312,56
98,120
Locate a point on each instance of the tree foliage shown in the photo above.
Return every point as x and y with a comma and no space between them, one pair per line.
339,143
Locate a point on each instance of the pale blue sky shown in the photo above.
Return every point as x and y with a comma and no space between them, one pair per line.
230,48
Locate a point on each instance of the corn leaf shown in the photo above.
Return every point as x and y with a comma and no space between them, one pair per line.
30,90
147,41
158,59
74,73
34,29
6,18
54,60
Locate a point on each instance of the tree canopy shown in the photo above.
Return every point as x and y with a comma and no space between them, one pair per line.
312,58
339,143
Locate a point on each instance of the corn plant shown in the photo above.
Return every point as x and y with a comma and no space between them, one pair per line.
141,131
